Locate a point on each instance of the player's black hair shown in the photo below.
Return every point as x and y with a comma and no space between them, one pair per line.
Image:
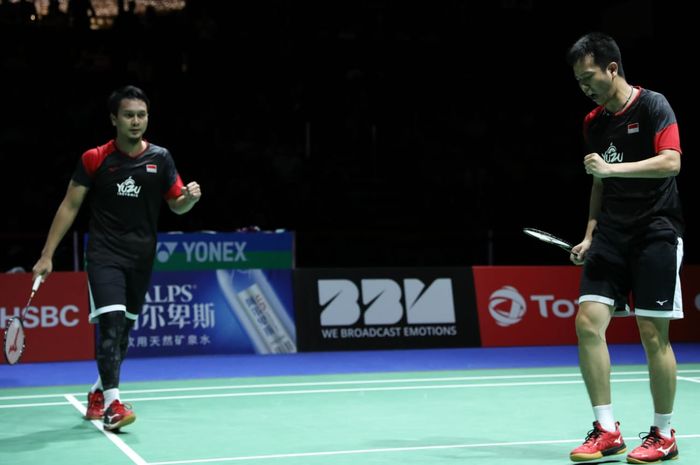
601,46
126,92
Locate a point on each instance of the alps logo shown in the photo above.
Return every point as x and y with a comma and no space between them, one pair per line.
128,188
385,302
611,155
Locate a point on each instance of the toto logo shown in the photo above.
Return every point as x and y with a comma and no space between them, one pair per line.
506,306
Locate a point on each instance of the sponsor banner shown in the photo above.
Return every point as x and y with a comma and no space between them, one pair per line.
56,323
216,312
385,308
537,305
213,251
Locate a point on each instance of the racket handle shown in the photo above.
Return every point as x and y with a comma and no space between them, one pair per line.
37,283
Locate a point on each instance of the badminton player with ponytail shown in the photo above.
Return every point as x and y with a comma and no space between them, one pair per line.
632,245
124,180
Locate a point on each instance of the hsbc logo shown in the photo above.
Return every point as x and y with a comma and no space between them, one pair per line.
44,316
385,302
507,306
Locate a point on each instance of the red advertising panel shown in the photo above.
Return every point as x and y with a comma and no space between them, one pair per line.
56,323
534,305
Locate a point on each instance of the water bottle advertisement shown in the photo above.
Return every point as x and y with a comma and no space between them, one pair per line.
225,311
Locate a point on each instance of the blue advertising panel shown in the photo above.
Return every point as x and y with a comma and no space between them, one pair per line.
225,311
217,250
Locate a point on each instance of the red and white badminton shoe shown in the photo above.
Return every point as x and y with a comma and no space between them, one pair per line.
655,448
117,416
95,406
599,443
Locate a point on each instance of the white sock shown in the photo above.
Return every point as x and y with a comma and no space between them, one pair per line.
604,416
97,386
663,422
110,396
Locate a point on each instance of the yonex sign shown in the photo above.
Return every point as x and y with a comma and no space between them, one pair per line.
214,251
211,251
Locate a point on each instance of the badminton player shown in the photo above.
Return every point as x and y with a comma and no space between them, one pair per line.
632,245
127,177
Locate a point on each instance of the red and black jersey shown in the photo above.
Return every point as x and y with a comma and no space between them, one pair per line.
126,194
647,126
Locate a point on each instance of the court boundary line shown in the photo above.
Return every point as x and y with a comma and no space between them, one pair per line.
340,383
331,391
116,440
386,449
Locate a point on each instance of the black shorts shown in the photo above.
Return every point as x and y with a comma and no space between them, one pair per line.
634,272
116,288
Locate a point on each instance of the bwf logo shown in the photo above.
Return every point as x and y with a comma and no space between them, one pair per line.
384,302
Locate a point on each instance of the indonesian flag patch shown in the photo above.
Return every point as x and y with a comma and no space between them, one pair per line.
632,128
151,168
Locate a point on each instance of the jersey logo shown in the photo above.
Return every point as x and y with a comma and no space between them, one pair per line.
151,168
128,188
661,302
611,155
633,128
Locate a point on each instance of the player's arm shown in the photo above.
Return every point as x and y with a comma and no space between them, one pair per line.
62,221
189,195
665,164
578,252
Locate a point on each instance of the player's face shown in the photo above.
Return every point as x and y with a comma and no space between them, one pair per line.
131,120
595,82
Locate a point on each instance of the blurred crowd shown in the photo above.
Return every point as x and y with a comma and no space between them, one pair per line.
384,133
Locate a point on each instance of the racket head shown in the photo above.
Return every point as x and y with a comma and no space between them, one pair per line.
548,238
13,343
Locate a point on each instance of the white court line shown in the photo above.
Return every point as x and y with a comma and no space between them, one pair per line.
337,391
316,391
386,449
128,451
339,383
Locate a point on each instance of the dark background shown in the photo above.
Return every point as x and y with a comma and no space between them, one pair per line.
392,133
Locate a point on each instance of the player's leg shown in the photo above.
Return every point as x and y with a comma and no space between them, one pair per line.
107,287
602,290
657,302
592,321
119,414
108,284
113,326
138,281
605,438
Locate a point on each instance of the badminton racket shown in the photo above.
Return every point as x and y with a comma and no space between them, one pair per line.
14,332
548,238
